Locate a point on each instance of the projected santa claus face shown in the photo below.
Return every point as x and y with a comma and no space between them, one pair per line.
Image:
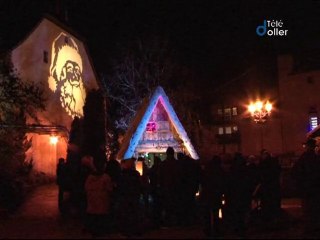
72,72
66,75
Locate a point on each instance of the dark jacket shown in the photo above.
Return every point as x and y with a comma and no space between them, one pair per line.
306,173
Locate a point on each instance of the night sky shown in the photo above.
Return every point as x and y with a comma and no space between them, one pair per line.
215,39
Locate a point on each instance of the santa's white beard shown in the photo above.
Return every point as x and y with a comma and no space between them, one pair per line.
72,98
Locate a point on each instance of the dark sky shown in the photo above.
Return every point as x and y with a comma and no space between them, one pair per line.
216,39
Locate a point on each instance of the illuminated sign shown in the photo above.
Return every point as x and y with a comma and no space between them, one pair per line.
151,127
65,76
313,122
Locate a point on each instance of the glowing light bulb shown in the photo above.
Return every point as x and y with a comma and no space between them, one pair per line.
53,140
259,105
268,106
252,108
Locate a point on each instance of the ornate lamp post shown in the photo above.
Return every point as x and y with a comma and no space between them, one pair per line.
260,111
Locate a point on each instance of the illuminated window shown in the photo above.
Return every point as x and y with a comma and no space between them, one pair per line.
45,56
220,130
151,127
228,130
234,111
227,113
235,129
313,122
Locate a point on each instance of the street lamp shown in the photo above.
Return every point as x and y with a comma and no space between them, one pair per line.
260,110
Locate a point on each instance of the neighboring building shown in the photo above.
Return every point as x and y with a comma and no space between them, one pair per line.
234,128
154,128
296,99
57,60
300,101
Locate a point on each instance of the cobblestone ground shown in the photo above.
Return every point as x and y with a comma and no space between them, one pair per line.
39,218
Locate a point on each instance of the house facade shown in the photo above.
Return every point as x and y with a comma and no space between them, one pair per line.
296,103
54,58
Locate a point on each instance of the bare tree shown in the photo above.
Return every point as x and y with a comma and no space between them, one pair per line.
142,66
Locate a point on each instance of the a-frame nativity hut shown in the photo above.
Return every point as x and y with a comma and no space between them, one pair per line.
155,127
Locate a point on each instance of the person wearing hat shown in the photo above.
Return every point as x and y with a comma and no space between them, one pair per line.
306,173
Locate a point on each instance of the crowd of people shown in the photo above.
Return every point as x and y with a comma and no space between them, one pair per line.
306,173
219,193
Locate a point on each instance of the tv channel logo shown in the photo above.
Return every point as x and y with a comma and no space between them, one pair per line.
271,28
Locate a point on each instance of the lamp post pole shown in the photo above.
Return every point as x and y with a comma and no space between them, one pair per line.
261,131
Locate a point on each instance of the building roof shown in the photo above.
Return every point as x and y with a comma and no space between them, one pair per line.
314,132
26,33
139,123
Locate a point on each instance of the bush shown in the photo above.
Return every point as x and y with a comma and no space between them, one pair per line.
11,192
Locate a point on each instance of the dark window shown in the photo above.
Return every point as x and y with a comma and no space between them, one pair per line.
45,56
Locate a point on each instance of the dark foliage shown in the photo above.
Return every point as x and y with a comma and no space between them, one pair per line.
94,125
17,100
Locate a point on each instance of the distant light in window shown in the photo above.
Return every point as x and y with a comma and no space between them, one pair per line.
234,111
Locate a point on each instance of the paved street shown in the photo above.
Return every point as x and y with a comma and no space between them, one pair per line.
39,218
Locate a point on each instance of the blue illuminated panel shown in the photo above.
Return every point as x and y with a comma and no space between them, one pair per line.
313,122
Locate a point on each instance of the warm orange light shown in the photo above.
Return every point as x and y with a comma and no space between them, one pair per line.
53,140
220,213
139,167
268,106
259,110
259,105
252,108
